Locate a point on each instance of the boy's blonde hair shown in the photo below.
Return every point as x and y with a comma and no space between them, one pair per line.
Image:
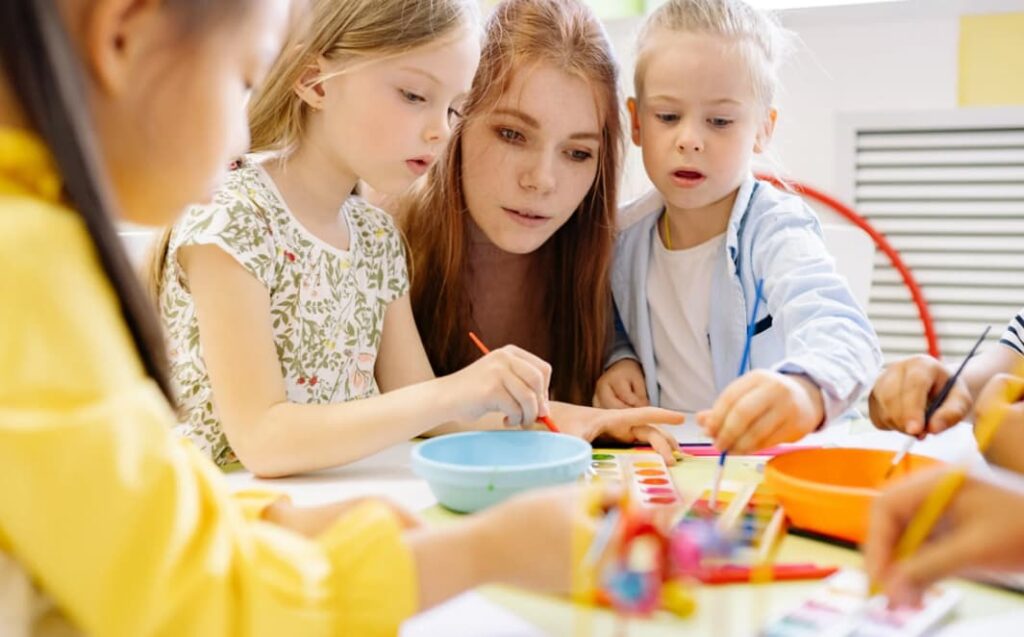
763,40
346,31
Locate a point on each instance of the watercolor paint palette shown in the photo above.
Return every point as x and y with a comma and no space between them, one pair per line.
744,511
644,474
841,608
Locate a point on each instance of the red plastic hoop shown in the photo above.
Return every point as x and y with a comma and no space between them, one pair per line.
883,244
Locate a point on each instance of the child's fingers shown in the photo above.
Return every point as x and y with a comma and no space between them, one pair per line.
953,410
884,529
628,425
524,397
917,383
519,390
649,416
933,561
706,421
900,592
533,377
999,391
760,432
890,514
533,382
664,444
536,362
733,392
883,395
504,400
740,416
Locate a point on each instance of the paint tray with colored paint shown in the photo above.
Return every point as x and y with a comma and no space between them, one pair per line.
645,475
840,607
745,513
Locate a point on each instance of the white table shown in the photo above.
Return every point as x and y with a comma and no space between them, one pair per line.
389,474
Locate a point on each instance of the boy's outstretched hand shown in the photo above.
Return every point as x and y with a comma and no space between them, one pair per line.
763,408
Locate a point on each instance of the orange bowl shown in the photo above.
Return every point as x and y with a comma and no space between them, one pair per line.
829,491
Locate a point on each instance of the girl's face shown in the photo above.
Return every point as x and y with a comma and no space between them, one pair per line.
169,105
528,162
385,121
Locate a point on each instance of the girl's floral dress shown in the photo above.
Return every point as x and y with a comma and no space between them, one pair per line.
327,305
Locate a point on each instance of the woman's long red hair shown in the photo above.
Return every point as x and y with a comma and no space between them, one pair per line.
520,34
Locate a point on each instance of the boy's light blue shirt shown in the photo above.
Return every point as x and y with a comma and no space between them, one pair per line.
809,322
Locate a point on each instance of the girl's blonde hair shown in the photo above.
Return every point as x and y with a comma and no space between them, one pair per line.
764,40
520,35
342,31
346,31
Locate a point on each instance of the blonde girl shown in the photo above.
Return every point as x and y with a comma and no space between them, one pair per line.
285,299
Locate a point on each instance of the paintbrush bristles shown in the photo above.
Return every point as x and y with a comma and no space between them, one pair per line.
899,457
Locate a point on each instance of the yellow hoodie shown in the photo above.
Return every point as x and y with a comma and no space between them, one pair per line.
127,529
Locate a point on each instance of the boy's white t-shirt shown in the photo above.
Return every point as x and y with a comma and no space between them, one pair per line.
679,298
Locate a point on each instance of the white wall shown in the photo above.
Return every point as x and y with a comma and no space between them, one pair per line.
883,57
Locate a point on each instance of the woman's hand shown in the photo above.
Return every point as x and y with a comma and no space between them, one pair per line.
621,425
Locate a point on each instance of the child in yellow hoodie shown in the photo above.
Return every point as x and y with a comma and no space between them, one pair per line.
131,108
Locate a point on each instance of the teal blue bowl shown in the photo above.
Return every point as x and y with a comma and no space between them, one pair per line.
472,471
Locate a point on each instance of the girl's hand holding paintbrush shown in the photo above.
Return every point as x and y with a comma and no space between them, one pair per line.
509,380
982,528
590,424
763,408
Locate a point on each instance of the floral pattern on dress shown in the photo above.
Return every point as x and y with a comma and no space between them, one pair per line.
327,305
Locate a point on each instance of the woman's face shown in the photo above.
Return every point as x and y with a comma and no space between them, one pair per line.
169,106
528,162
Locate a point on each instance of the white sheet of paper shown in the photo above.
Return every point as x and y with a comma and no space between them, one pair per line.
839,607
688,433
469,615
1001,624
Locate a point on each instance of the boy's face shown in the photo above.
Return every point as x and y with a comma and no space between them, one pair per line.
698,121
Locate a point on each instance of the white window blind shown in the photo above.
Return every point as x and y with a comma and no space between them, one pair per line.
947,190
